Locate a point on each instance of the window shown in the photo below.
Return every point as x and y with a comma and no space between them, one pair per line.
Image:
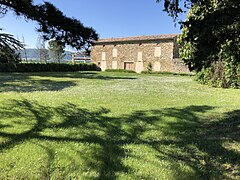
157,52
103,56
115,52
139,56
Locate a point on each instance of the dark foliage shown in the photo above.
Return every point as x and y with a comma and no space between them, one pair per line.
173,7
8,56
8,48
50,67
168,73
209,28
210,36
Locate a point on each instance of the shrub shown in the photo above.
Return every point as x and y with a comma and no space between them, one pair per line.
167,73
217,76
150,67
49,67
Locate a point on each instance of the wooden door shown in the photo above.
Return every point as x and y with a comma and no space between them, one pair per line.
129,66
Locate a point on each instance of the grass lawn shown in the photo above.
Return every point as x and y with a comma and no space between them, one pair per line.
103,125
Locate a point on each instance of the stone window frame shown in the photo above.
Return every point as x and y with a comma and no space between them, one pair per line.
140,56
157,51
114,52
103,56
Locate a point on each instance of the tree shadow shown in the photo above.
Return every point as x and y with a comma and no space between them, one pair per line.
193,139
86,75
25,83
200,141
30,82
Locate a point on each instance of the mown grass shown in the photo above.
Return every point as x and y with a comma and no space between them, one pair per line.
105,125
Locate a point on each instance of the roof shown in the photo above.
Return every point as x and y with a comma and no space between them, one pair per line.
137,39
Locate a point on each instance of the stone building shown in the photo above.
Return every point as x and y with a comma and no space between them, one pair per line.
138,53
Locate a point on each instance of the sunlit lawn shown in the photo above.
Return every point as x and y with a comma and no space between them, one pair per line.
100,125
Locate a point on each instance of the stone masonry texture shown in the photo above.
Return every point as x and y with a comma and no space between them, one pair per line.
136,53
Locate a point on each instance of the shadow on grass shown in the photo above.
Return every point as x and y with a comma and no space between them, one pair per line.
24,82
191,138
90,75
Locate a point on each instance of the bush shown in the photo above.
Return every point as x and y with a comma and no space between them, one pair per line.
149,67
49,67
217,76
167,73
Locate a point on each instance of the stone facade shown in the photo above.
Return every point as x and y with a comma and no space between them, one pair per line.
136,53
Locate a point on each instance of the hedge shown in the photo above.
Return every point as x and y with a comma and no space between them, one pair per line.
168,73
49,67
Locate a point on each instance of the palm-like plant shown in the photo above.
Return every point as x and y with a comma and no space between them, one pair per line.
9,46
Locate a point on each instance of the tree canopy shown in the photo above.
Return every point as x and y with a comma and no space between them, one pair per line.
207,28
52,22
210,38
174,7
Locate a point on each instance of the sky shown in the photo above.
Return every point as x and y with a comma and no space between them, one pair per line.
110,18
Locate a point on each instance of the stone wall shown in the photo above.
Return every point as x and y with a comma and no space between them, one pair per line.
137,55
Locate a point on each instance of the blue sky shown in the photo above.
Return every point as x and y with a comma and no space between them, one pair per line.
110,18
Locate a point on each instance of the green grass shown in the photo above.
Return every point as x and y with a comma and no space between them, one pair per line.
105,125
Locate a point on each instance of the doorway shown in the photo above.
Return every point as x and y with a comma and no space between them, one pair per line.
129,66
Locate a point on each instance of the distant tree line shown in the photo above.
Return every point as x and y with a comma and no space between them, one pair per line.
55,51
